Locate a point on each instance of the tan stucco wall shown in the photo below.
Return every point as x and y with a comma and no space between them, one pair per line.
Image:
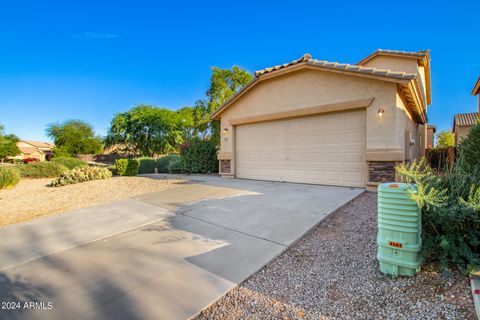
417,132
461,132
402,64
310,88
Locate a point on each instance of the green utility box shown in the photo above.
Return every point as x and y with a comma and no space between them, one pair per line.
399,236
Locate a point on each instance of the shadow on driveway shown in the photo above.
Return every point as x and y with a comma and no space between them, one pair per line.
212,235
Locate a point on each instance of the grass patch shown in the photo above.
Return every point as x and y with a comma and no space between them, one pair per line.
9,177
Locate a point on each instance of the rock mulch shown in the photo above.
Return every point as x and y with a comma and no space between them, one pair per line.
332,273
32,198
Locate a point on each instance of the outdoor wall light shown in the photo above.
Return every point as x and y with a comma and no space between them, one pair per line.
225,130
380,112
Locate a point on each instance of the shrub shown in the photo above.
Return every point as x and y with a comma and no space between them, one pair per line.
83,174
163,163
70,163
146,165
41,170
470,147
175,165
127,167
199,156
450,205
113,169
9,177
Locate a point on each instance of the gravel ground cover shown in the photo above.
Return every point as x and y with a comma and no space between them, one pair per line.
32,198
332,273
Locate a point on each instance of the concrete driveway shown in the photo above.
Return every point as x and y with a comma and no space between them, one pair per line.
163,255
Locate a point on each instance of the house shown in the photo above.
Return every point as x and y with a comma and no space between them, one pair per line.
34,149
463,122
431,130
320,122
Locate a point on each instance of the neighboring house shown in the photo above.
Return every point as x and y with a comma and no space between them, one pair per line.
320,122
463,122
34,149
431,130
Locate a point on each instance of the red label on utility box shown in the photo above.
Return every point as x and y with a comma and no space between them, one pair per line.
395,244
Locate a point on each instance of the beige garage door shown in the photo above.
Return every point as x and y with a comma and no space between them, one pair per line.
326,149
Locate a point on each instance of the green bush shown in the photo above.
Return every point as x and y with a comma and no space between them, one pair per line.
470,147
78,175
146,165
113,169
70,163
199,156
127,167
450,205
175,165
163,163
9,177
41,169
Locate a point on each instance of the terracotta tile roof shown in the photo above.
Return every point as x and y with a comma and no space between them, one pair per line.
307,59
29,150
466,119
415,54
304,58
420,54
39,144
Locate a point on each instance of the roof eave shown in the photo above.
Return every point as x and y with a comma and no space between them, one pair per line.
476,87
383,53
414,100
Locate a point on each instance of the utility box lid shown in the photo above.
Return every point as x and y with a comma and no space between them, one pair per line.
396,187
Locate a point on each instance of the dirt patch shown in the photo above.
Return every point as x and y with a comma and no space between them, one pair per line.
32,198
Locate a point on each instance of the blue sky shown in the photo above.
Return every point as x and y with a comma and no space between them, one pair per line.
91,59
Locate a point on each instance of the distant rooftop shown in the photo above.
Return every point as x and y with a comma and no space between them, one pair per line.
466,119
39,144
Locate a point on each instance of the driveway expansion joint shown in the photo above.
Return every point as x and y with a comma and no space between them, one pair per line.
184,213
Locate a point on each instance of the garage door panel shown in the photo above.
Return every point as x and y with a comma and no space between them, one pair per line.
353,177
354,138
353,157
327,149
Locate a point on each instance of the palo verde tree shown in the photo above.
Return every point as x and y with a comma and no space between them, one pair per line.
73,137
148,130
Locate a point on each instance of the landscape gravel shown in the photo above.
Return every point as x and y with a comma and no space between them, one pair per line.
32,198
332,273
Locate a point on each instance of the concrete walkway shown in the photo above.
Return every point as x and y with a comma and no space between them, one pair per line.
164,255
